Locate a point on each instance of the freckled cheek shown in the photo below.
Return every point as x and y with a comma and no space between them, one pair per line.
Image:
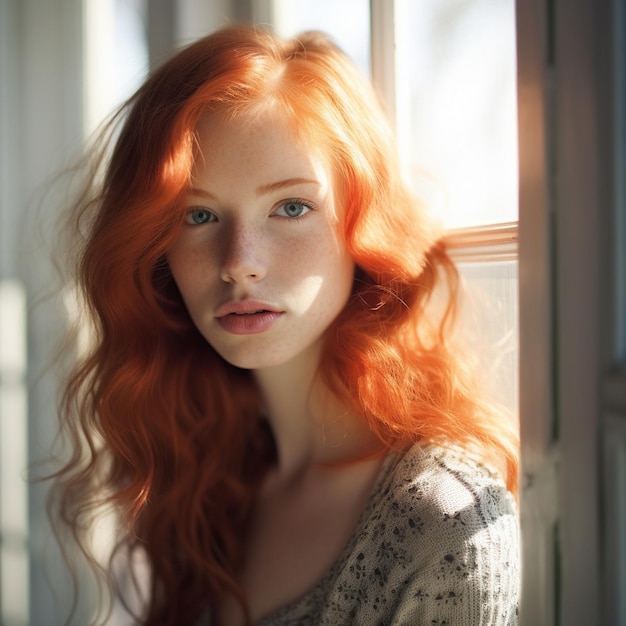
192,270
192,257
320,275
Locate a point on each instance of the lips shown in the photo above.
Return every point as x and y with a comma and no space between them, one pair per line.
247,317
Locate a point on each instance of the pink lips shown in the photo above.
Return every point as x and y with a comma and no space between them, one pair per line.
247,317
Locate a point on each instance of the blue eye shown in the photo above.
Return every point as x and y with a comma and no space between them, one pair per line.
199,216
293,208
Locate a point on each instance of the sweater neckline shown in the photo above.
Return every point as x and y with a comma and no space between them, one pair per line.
376,494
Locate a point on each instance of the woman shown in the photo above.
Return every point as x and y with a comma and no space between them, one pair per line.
272,403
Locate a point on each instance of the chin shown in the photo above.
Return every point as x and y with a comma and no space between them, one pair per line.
258,357
252,359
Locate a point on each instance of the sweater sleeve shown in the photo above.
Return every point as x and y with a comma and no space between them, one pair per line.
468,559
471,579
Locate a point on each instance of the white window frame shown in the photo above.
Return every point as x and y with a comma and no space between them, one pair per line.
540,454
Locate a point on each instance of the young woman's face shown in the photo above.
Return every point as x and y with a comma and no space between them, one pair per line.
260,261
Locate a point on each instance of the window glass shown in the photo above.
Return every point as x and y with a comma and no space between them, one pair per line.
348,22
116,56
457,80
490,318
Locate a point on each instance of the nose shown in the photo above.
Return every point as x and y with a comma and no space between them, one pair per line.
242,255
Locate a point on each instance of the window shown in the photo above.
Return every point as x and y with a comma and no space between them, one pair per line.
456,105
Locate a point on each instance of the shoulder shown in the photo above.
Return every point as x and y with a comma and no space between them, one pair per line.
436,497
461,538
448,483
445,506
439,544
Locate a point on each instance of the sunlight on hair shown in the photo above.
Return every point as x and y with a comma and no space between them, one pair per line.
78,325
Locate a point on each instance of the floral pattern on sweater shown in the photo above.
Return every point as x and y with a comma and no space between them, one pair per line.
437,545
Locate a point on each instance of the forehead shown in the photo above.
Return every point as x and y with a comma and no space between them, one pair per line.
261,142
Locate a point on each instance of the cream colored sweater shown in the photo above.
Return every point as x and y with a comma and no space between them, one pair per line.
437,544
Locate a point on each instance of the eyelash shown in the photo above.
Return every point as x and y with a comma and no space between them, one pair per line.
192,210
305,203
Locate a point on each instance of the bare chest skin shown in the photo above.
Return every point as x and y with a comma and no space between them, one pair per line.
297,532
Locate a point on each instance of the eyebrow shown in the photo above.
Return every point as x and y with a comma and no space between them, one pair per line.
263,189
281,184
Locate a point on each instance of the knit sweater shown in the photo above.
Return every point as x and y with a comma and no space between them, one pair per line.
437,544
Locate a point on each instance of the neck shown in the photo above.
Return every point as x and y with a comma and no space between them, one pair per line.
311,425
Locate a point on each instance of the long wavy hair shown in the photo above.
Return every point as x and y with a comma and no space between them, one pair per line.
162,429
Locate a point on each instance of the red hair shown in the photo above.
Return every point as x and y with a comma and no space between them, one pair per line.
164,429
